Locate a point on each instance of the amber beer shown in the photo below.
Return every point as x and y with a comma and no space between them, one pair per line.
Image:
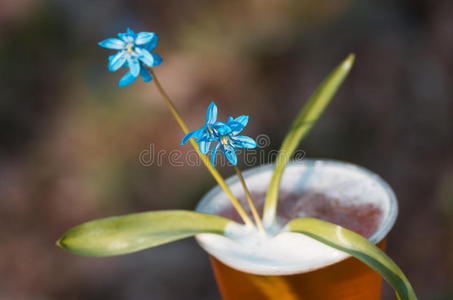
338,192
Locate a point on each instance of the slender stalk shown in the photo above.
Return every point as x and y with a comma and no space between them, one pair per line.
204,159
249,200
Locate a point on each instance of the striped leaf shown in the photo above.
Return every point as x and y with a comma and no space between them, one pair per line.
135,232
354,244
300,127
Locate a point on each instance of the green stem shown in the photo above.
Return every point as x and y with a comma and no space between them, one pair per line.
204,159
249,200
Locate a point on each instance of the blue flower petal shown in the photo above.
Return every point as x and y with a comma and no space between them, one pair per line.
200,132
111,57
113,43
242,120
134,65
127,37
130,32
188,137
157,59
211,115
146,76
204,146
117,61
152,43
214,153
230,154
195,134
236,127
145,57
222,128
204,136
243,142
144,37
127,79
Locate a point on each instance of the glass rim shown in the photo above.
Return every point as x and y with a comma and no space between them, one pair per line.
384,228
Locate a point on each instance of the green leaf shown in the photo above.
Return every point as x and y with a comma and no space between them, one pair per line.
135,232
354,244
300,127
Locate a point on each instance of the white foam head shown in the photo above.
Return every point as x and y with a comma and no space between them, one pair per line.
287,253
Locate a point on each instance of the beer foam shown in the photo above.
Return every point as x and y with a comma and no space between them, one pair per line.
284,253
251,251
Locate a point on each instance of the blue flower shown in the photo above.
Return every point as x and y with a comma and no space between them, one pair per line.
134,51
208,132
223,134
228,142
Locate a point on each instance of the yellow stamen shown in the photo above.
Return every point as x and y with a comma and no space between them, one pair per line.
129,48
224,140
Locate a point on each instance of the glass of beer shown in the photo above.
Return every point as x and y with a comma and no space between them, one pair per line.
284,265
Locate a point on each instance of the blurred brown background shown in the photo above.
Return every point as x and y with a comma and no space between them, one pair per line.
70,139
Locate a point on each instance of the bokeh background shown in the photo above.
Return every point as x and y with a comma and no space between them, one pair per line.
70,139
